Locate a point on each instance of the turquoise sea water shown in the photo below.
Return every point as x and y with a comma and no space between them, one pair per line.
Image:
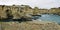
50,17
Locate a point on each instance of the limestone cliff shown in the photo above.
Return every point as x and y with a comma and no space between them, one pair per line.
14,12
17,11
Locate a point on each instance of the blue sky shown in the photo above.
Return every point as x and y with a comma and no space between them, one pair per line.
33,3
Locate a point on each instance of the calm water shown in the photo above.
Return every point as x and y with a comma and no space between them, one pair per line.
50,17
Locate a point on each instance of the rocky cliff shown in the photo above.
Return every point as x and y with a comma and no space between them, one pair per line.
17,11
14,12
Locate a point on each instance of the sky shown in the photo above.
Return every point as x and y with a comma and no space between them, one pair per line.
33,3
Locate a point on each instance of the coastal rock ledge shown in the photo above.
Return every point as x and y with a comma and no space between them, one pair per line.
30,25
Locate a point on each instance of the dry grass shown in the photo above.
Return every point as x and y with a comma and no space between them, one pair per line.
30,25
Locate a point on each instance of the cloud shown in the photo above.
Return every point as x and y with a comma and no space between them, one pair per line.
33,3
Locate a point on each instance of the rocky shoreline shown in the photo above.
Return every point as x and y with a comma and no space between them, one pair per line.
17,11
30,25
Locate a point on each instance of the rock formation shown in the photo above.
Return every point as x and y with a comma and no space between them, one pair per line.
17,11
14,12
30,25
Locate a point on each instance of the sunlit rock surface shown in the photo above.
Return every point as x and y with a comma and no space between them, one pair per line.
30,25
18,11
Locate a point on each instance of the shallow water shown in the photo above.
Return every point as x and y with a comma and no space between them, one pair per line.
50,17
